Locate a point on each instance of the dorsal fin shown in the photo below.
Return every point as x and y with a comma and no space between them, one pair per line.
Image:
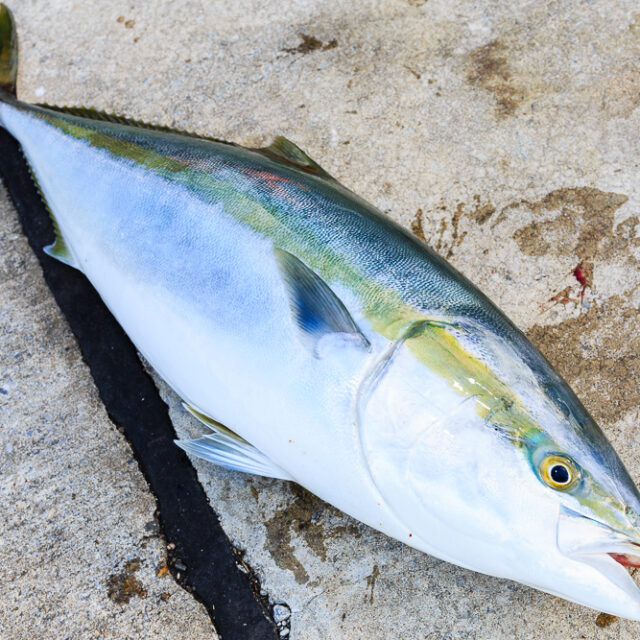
316,309
290,154
103,116
281,149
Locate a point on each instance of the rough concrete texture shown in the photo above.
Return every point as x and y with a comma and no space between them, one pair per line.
504,133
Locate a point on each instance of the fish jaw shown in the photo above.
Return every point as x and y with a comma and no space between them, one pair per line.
600,554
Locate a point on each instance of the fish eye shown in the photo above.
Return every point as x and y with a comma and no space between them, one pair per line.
559,472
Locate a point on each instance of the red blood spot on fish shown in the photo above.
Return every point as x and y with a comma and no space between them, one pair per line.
626,560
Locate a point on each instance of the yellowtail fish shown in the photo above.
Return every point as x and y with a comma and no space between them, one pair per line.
321,343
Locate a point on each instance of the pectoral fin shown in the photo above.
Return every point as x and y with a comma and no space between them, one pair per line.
227,449
315,307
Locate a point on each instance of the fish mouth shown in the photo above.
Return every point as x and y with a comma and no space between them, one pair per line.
628,559
579,535
612,553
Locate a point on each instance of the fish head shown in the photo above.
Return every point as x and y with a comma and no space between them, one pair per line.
593,525
492,463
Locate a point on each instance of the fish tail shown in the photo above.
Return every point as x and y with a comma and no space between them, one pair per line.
8,53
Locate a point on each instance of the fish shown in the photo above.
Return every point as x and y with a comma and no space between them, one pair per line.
319,342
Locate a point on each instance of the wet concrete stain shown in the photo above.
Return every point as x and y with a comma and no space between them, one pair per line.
456,237
124,585
597,359
371,584
311,43
416,225
489,69
439,243
479,212
305,516
583,225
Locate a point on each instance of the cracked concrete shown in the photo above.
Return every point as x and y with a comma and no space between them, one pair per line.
505,134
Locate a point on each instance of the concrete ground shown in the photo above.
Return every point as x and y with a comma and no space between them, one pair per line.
506,134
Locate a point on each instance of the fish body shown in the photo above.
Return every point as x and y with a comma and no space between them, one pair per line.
324,344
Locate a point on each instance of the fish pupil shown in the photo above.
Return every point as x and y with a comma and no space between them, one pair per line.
559,474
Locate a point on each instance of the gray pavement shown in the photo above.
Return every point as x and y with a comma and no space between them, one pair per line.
504,133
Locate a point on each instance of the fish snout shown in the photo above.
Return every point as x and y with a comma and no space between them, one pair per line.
605,553
579,535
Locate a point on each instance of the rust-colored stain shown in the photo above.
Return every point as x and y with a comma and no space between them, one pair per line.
489,69
311,43
562,297
416,226
122,586
302,517
162,571
457,237
604,620
129,24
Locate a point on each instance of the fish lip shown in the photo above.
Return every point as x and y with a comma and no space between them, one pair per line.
586,540
579,535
